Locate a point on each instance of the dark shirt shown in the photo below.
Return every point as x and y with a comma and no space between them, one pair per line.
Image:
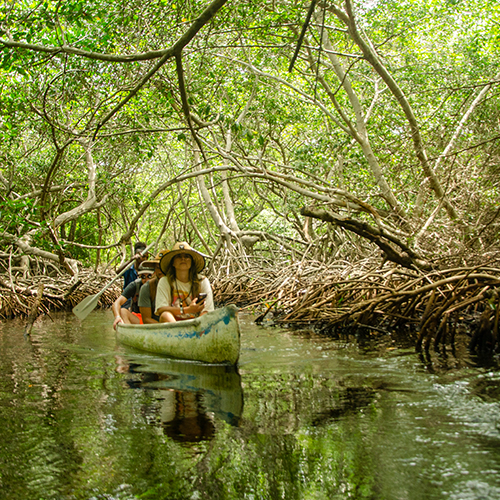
131,292
129,275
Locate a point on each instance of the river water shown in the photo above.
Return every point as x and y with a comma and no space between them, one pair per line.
303,417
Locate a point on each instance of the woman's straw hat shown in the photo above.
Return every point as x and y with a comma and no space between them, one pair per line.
182,247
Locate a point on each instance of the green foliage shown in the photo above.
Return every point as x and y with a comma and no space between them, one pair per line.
16,214
440,53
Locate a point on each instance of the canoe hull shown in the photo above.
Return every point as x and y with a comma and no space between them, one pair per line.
211,338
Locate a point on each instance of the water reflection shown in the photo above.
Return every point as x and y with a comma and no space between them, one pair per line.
85,418
351,400
184,398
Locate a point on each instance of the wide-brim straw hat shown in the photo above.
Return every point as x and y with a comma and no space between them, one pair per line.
182,247
151,263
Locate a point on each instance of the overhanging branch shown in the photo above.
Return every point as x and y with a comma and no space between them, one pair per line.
393,248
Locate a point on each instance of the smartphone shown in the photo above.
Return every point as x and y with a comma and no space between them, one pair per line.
201,298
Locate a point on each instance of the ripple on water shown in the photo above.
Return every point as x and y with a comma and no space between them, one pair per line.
474,490
464,405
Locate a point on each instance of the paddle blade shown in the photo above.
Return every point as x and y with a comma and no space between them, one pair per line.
86,306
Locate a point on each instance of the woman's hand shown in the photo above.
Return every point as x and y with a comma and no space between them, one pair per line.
194,307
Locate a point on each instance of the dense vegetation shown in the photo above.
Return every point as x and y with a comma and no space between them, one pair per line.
274,131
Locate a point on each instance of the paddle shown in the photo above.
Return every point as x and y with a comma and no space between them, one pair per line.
88,304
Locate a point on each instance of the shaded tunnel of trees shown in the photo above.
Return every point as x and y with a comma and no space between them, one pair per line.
338,162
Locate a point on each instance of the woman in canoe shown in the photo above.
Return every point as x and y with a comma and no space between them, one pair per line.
178,292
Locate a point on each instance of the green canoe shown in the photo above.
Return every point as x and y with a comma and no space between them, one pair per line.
211,338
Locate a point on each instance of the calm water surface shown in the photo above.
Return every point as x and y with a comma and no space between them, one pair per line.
301,418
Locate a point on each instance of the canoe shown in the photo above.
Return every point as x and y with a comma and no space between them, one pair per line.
211,338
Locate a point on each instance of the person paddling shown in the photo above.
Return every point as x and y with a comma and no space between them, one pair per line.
133,273
131,292
178,294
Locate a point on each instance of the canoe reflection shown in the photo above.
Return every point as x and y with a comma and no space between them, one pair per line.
186,397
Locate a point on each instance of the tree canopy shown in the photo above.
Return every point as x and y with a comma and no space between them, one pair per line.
238,125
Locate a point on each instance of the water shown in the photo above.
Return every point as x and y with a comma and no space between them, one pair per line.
303,417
